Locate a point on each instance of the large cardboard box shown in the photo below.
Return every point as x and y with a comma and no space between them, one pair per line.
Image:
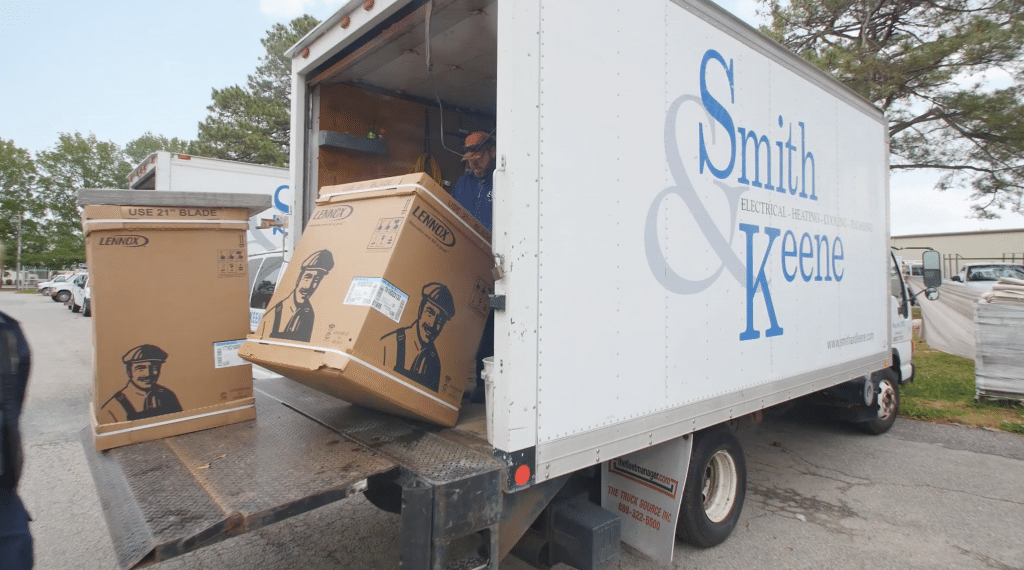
384,301
169,303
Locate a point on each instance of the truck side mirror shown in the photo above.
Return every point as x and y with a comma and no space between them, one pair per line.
932,268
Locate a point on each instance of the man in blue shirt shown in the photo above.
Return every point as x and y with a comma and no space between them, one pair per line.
474,192
474,189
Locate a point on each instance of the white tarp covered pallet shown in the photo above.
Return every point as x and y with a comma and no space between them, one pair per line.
999,334
948,322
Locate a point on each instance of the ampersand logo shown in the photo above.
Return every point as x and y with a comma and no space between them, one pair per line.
719,241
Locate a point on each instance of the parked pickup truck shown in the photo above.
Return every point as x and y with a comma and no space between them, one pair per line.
46,287
690,228
983,275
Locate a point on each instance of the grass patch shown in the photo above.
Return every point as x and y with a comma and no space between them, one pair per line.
1012,427
943,391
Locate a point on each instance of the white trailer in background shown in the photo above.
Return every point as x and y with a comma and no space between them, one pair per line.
267,246
170,171
690,227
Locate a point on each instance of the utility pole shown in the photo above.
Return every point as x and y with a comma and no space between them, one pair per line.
17,274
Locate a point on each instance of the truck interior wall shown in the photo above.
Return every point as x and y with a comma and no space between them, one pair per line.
353,110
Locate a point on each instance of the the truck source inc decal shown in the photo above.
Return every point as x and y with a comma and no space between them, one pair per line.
778,163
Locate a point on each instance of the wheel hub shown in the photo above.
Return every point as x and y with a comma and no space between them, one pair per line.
886,401
718,488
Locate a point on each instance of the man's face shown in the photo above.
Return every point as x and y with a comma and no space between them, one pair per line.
145,374
432,321
308,282
481,162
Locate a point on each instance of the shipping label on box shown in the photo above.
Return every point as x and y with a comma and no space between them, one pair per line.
387,299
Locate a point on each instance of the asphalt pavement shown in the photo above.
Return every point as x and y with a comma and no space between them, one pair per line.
819,494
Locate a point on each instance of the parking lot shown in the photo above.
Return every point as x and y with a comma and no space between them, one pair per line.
820,495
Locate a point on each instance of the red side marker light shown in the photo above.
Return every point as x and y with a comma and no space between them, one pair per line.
522,475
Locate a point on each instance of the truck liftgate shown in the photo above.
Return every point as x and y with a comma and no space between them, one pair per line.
304,450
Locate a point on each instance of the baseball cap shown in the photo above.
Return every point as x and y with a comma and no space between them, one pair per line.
475,142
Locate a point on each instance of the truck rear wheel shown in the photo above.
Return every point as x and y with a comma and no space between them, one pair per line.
716,485
886,405
62,296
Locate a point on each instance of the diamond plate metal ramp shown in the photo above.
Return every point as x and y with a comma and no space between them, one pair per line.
164,498
454,484
421,448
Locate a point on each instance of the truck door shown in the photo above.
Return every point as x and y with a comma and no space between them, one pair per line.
901,322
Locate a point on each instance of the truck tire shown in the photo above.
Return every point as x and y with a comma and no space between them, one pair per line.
75,308
716,485
86,308
62,296
887,403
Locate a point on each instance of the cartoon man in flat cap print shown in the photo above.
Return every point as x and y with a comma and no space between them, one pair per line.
141,397
414,355
293,317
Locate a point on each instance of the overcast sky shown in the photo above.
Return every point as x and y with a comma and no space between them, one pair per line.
119,68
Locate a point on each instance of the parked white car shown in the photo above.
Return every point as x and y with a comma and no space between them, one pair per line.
984,275
46,287
61,292
87,302
79,293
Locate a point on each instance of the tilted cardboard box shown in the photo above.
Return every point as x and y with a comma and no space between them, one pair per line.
384,301
169,296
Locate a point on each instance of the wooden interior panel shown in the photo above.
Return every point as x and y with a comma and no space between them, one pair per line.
351,110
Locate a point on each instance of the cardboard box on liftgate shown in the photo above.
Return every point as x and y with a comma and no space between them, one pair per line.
384,301
169,311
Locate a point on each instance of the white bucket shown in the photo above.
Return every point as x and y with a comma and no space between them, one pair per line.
489,394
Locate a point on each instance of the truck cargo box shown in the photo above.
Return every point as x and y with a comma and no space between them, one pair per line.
691,221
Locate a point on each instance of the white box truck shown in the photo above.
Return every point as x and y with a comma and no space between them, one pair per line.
690,227
168,171
176,172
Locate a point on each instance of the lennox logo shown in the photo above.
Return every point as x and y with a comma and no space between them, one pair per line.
441,231
125,240
333,213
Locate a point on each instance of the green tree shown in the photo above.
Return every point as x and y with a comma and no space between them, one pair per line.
252,123
137,150
920,63
19,206
76,162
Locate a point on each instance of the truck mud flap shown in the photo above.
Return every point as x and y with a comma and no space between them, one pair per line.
164,498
